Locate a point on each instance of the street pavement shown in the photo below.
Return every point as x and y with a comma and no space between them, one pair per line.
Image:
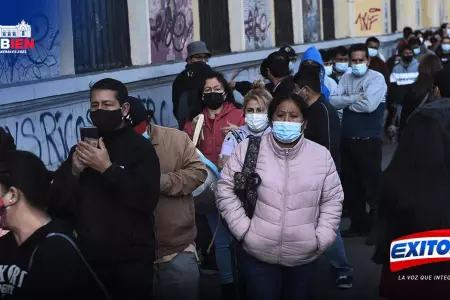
366,273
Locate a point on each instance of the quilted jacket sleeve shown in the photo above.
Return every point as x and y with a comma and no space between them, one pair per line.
229,205
330,207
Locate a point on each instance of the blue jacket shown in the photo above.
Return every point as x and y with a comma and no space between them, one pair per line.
313,54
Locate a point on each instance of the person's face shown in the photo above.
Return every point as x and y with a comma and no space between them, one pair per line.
437,37
373,45
303,92
9,197
198,57
446,41
359,57
328,63
253,107
213,85
407,52
415,47
419,36
341,58
287,111
106,100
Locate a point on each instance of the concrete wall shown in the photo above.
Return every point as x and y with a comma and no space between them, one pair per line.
44,107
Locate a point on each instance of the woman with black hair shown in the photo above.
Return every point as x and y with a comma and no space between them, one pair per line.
297,211
38,257
414,197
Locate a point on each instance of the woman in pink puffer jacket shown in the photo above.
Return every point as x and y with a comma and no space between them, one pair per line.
298,208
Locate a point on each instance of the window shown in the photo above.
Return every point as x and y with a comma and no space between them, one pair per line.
101,35
284,33
393,15
214,25
328,19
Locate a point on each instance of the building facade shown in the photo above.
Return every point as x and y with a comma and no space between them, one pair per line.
44,93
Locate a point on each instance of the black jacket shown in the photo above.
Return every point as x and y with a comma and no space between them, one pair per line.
113,212
324,127
57,270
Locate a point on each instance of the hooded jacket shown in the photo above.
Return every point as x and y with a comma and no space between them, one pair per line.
54,271
294,220
314,55
211,145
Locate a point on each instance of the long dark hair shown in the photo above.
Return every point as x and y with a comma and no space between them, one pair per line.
196,106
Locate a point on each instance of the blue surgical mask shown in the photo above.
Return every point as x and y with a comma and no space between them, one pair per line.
359,69
416,51
445,47
328,70
373,52
145,134
287,132
341,67
291,66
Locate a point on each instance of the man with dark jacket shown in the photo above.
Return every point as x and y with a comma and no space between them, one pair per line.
110,193
182,171
190,80
324,128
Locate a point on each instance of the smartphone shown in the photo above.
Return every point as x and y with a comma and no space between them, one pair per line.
90,135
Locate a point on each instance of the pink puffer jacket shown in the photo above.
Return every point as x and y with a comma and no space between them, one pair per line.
299,202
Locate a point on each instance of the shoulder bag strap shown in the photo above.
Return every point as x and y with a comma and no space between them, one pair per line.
251,156
236,136
75,247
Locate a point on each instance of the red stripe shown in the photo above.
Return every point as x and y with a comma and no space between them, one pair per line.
426,234
400,265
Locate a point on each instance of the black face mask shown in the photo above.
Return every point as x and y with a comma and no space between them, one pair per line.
311,69
213,100
407,58
106,120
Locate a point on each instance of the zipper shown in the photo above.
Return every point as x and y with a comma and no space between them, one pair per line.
283,215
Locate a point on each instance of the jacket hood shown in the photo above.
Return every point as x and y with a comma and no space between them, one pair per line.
313,54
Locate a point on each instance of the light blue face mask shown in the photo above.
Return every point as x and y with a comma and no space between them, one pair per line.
416,51
373,52
328,70
145,134
286,132
359,69
445,47
341,67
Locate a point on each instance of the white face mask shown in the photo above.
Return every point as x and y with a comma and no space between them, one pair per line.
328,70
257,122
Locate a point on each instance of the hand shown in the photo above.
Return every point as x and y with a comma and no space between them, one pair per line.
232,84
361,96
77,165
194,122
228,128
95,158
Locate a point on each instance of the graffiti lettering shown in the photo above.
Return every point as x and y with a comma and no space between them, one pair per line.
256,26
171,28
51,134
367,19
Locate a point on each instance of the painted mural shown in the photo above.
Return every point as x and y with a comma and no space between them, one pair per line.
171,29
257,26
311,21
43,61
369,17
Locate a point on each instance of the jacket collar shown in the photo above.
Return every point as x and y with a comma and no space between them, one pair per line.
284,153
154,132
227,108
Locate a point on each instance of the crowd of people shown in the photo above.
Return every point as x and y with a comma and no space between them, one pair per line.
252,191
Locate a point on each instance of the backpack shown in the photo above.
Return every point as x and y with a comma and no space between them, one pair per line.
247,181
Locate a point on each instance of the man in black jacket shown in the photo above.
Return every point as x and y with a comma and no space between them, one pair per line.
110,193
324,128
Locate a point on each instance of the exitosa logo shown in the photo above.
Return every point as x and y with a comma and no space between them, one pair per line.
419,249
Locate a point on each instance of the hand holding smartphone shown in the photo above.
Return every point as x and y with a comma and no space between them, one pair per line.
90,136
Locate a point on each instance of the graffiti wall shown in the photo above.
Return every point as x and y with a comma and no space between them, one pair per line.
369,17
171,29
257,24
43,61
51,133
311,21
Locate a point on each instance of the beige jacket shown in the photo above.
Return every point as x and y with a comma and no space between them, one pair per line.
182,171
